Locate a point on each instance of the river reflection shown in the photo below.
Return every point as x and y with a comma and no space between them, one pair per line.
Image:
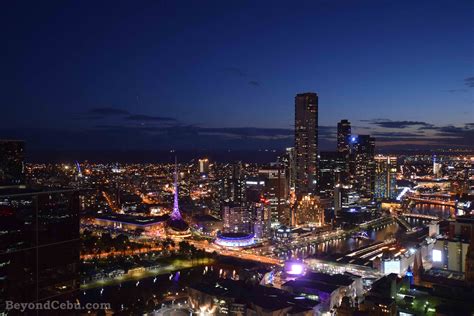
346,245
376,235
440,211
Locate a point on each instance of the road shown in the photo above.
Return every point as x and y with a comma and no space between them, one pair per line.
241,254
127,252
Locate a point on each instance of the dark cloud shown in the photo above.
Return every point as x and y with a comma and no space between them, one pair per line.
450,130
469,82
192,130
149,118
327,132
396,124
117,136
396,134
254,83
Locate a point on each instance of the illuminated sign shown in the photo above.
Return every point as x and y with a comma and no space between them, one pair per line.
437,255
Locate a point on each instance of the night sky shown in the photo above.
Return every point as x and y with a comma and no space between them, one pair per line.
158,75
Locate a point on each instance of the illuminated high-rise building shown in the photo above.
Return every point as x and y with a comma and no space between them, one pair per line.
332,169
437,168
362,164
232,183
276,192
344,148
288,162
204,166
12,169
385,177
261,219
343,134
309,211
236,218
306,143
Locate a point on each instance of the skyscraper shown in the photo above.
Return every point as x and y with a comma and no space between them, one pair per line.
343,134
362,164
306,143
232,183
385,177
332,167
236,218
39,245
261,220
288,162
204,166
344,148
12,170
276,192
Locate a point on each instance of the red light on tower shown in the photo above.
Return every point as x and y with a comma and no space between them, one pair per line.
263,200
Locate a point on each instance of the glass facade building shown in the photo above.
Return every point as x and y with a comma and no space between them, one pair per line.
39,245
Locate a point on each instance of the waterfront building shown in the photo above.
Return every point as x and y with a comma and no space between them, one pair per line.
310,211
362,164
385,177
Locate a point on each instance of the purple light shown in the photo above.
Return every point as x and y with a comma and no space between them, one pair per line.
295,269
176,215
240,241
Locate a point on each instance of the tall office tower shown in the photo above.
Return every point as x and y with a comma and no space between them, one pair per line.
437,168
39,246
344,148
385,177
288,161
12,169
306,143
236,218
204,166
237,182
276,192
309,211
261,220
332,167
232,183
343,134
362,164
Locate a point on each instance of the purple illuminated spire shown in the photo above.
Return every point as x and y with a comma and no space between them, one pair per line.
175,215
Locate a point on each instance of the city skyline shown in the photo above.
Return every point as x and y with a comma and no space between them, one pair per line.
306,158
158,78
